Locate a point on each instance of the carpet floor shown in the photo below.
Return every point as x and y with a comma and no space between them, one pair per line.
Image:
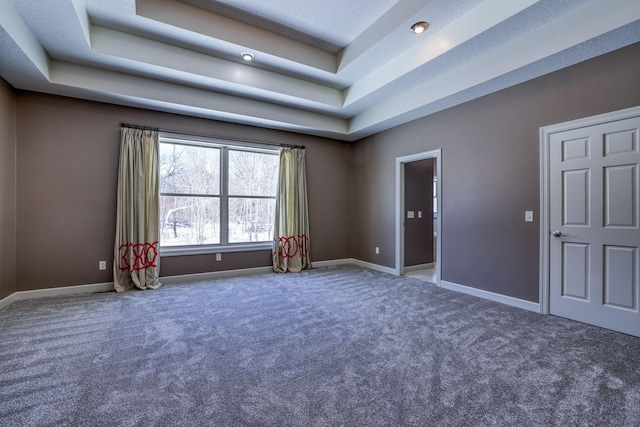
340,346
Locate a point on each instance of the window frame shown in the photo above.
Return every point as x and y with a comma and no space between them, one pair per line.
225,146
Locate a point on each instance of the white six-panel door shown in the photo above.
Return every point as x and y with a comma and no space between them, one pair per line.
594,253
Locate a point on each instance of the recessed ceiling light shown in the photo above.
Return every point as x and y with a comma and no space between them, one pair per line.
420,27
247,56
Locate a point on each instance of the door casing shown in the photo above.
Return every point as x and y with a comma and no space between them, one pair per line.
400,187
545,206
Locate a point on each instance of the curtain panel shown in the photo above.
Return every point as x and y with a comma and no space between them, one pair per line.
136,260
291,237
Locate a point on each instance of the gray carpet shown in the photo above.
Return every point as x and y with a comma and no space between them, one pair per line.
328,347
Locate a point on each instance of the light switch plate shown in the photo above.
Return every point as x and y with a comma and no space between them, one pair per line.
528,216
410,214
419,214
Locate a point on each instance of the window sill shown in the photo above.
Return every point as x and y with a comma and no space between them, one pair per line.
218,249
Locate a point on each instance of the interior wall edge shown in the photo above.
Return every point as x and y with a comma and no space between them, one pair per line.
8,189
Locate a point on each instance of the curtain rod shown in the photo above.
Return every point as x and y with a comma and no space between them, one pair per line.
177,132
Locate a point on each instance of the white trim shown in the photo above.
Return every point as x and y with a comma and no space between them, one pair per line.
399,216
418,267
400,162
54,292
545,203
371,266
108,287
184,278
543,263
171,280
223,146
492,296
599,119
7,300
332,262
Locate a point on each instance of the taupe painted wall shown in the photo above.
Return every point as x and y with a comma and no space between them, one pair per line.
7,189
67,160
67,153
490,171
418,177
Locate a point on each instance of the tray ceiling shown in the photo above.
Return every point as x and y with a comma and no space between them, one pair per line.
335,68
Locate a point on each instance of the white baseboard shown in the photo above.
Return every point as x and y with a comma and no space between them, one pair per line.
7,300
167,280
332,262
53,292
418,267
504,299
371,266
261,270
184,278
107,287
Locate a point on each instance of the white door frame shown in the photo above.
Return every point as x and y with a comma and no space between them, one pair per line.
400,162
545,208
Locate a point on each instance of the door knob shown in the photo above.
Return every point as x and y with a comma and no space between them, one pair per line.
557,233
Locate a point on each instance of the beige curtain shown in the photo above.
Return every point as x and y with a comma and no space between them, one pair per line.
136,260
291,237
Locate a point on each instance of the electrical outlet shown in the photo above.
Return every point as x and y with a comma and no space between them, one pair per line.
377,250
102,265
218,257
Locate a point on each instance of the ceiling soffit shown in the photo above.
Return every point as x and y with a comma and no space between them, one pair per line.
338,71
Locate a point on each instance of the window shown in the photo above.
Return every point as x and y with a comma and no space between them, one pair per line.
215,196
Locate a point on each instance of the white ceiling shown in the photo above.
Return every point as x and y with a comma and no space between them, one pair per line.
338,68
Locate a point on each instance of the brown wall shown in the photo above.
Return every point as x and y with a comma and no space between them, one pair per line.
67,153
67,160
7,190
418,241
490,171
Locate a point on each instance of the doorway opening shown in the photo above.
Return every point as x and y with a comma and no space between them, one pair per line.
403,215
